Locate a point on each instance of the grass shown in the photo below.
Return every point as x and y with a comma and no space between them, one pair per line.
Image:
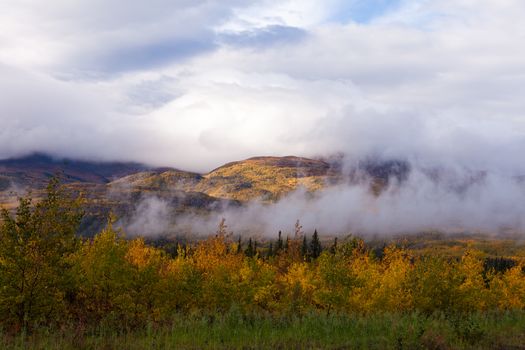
233,331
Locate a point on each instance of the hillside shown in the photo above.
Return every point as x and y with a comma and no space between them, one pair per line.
259,178
34,171
266,178
121,188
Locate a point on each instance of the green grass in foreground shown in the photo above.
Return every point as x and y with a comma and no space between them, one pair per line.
232,331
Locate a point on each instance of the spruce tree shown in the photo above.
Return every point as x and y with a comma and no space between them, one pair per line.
315,246
239,246
333,249
280,244
304,248
249,250
269,254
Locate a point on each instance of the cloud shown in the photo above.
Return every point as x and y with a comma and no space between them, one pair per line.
195,84
492,204
39,112
260,38
108,37
151,216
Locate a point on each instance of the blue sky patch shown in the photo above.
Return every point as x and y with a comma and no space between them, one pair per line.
364,11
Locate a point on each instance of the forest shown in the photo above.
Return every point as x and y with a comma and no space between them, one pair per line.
60,290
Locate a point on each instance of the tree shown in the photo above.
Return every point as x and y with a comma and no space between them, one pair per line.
304,248
315,246
35,249
250,252
294,250
333,248
104,277
280,245
270,253
222,229
239,245
298,230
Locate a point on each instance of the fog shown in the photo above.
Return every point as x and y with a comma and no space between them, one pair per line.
151,217
448,200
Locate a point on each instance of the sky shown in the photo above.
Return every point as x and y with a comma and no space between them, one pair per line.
194,84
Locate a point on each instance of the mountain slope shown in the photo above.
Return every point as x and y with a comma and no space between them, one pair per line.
266,178
261,178
34,171
167,180
127,189
258,178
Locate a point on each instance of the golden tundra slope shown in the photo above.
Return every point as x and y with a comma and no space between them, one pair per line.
263,178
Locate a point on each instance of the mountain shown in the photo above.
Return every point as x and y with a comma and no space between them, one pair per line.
35,170
126,188
266,178
262,178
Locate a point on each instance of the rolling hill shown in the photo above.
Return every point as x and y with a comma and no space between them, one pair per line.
121,188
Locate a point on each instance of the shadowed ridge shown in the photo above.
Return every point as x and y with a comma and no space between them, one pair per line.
35,170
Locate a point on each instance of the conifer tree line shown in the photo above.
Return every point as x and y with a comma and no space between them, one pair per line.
50,276
309,249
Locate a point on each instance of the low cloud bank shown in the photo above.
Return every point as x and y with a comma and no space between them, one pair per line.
448,201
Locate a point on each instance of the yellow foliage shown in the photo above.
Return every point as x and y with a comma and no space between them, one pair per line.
392,292
264,178
473,292
140,255
510,288
126,282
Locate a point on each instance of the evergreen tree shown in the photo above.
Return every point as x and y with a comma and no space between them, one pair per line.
315,246
239,246
270,252
249,252
304,248
287,244
280,244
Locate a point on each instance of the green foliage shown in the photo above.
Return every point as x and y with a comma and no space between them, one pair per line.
103,277
304,248
315,246
36,246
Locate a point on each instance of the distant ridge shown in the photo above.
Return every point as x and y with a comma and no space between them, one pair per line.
35,170
122,187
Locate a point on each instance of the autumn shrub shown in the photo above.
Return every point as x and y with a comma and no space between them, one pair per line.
50,277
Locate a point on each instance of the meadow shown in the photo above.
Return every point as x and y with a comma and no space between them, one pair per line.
503,330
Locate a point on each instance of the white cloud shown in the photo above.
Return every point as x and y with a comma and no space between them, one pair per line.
155,82
493,205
